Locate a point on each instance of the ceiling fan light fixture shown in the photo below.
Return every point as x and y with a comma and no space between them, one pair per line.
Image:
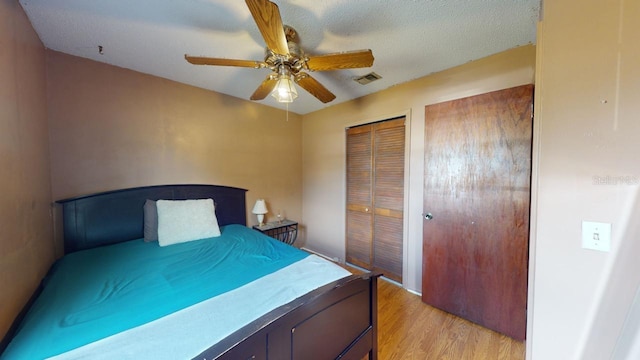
285,91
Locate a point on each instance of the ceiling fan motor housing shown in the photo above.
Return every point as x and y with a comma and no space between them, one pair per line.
294,60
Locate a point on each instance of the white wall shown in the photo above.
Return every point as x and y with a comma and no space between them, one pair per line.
587,128
323,139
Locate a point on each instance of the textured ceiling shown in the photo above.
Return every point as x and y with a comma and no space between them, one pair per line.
409,38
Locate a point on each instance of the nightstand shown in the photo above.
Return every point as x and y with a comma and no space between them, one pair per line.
285,231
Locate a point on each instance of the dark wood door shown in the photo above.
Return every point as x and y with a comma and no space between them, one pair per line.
375,196
477,190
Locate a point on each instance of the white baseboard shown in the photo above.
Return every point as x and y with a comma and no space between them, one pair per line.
335,260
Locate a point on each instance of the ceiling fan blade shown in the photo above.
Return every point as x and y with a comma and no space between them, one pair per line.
343,60
199,60
265,88
314,87
267,16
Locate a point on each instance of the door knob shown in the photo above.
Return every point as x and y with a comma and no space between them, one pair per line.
428,216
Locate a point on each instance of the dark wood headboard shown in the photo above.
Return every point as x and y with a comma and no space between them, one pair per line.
116,216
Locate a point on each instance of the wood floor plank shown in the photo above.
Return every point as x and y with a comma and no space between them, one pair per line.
409,329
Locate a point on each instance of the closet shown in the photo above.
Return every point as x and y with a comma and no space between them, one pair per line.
375,196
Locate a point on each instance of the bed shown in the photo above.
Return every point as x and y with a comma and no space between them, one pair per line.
236,295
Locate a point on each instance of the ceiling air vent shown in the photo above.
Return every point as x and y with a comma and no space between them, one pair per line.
365,79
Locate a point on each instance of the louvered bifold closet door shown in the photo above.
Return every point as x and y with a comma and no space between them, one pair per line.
388,193
359,196
375,196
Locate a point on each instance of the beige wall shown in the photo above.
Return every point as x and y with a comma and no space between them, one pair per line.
323,136
114,128
588,87
26,248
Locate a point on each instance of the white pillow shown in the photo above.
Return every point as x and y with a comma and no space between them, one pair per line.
186,220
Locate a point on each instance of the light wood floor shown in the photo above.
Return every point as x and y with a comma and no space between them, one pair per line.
410,329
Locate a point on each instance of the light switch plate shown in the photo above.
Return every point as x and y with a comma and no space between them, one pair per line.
596,236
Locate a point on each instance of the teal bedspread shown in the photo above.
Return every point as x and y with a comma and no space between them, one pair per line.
96,293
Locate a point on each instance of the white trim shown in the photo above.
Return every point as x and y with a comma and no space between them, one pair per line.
335,259
534,186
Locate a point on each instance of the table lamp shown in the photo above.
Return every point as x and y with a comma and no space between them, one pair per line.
260,208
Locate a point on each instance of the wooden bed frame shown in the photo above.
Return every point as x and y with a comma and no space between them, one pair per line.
336,321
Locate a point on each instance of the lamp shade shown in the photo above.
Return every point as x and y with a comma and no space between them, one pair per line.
284,91
260,207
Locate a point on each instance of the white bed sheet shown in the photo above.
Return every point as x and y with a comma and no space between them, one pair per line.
189,332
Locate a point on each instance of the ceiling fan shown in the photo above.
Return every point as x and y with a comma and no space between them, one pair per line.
286,59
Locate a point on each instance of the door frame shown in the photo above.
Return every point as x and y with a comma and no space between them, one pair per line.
405,206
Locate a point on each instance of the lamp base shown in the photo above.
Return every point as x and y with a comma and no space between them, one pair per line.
260,219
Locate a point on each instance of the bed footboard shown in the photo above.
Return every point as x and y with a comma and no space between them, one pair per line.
336,321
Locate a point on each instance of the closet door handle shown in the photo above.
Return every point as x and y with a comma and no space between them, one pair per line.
428,216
